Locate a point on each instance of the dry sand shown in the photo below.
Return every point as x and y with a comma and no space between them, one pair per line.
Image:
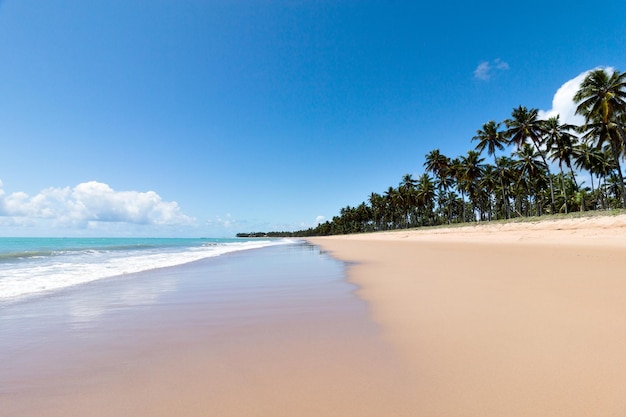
523,319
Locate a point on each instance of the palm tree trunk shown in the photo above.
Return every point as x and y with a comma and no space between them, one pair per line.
543,157
463,201
504,205
549,179
601,180
563,187
616,155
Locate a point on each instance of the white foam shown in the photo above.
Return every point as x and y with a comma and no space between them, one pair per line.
60,272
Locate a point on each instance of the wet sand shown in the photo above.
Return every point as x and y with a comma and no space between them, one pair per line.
273,332
501,320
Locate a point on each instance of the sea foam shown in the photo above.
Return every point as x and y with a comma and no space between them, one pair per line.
30,272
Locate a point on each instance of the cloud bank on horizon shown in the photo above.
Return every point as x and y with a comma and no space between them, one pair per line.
89,203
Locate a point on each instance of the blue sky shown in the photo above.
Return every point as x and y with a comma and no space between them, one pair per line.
207,118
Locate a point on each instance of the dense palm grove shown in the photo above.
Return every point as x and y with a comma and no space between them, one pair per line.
485,184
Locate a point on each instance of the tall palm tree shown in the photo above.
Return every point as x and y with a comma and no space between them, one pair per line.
531,168
601,100
525,125
377,203
407,191
560,144
598,162
584,157
613,187
507,177
468,173
488,187
425,194
492,139
392,200
455,170
439,165
436,162
603,167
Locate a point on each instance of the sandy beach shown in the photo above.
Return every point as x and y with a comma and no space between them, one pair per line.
489,320
516,319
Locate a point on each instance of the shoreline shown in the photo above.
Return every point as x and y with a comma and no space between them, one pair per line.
276,332
512,319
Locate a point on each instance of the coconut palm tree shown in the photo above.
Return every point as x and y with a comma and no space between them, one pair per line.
507,177
560,144
436,162
531,168
439,165
492,139
601,100
425,197
584,158
598,162
407,192
603,167
377,203
525,125
468,172
392,198
455,171
613,187
489,186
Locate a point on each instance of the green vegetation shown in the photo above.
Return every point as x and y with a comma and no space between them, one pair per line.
520,185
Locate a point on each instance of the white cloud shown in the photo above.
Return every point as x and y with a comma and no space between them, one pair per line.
501,65
319,219
563,101
482,71
226,222
485,70
90,203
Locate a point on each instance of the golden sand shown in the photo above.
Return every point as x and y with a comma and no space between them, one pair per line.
517,319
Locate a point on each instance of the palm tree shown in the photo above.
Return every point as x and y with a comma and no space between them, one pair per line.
425,196
394,204
439,165
531,168
436,162
468,172
602,101
598,162
585,158
455,170
377,203
525,125
490,138
560,143
507,177
614,187
488,186
407,191
603,167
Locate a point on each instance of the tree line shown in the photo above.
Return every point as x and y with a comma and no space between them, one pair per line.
486,184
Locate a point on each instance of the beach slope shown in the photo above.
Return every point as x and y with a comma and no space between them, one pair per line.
517,319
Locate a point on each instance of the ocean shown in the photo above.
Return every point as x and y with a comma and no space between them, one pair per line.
37,266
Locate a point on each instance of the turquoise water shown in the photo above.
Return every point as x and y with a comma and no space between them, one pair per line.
30,266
